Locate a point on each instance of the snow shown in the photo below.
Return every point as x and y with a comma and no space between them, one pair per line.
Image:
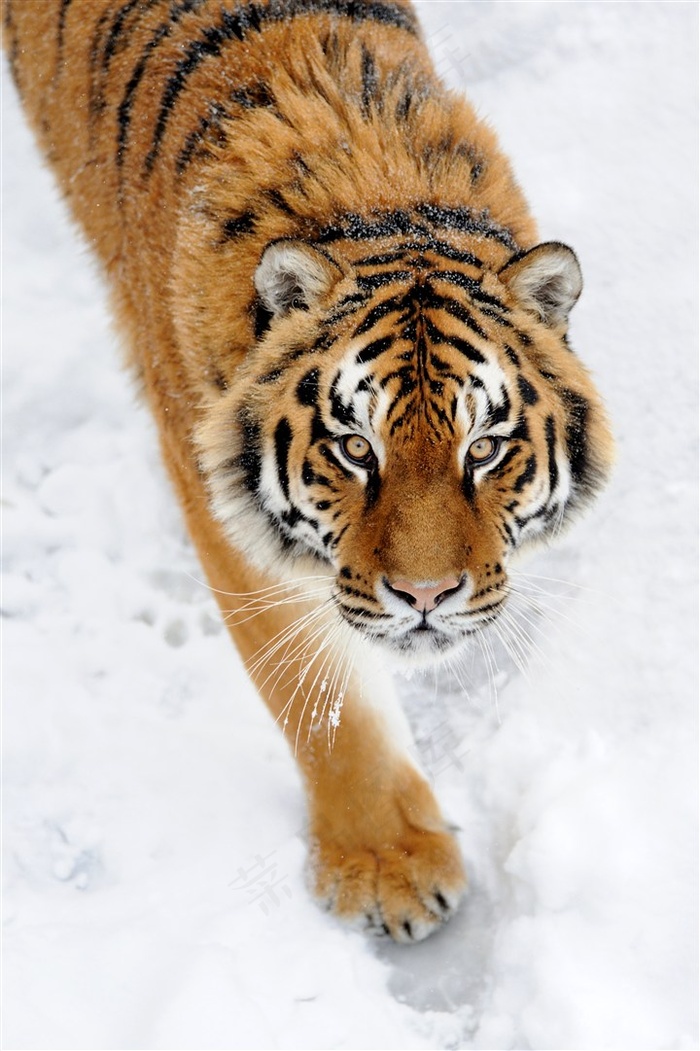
153,819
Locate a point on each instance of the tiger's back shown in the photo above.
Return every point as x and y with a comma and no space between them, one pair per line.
129,100
356,353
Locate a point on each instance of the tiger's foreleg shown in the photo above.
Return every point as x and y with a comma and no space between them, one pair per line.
381,856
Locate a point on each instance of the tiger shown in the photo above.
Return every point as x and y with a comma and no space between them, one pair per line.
332,294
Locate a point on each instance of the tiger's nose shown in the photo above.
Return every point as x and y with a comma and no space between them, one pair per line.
425,598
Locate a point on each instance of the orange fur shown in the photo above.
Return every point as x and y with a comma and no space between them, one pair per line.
184,155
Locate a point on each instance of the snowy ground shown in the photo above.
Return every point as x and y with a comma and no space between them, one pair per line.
153,848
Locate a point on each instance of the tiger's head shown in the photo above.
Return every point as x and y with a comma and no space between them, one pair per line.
410,416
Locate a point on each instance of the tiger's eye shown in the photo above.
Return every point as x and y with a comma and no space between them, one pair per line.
483,450
357,449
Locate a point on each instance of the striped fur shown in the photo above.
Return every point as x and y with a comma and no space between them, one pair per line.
331,289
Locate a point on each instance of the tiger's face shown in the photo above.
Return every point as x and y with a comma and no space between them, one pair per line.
411,421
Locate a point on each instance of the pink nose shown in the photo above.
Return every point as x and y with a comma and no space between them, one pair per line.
425,598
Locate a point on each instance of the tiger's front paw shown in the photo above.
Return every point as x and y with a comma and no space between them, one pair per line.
407,890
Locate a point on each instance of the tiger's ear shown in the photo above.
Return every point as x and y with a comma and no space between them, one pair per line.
546,280
292,275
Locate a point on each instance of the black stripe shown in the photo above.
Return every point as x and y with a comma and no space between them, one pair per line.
270,377
440,248
262,319
60,33
348,305
292,517
254,96
374,349
436,336
384,258
470,285
478,167
456,255
307,388
406,374
370,282
412,98
372,489
177,11
439,411
527,392
207,124
403,106
389,14
116,31
283,441
339,410
551,454
509,535
117,39
467,221
387,306
467,349
576,434
501,412
96,99
468,487
361,611
370,80
500,319
408,414
12,45
319,431
237,22
521,431
486,608
237,225
328,455
249,461
456,310
542,512
500,468
354,227
444,370
310,477
527,475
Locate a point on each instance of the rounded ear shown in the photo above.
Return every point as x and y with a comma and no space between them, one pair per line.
292,275
546,280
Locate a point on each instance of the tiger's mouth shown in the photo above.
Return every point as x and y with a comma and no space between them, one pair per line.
427,638
426,641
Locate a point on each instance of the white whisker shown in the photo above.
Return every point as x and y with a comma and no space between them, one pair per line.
326,644
262,608
280,586
345,662
484,642
525,641
284,637
513,647
299,650
558,580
